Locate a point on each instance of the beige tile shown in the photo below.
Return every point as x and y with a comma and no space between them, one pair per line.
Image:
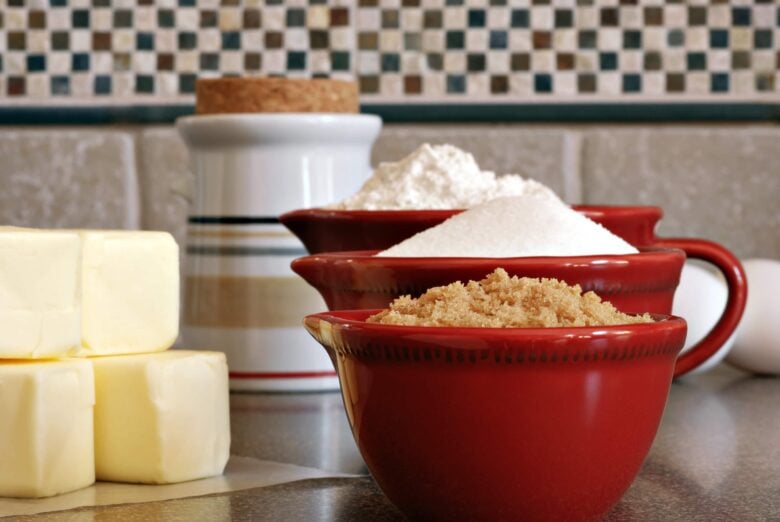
720,183
67,177
546,154
167,181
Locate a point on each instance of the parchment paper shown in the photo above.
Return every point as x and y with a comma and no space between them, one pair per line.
240,473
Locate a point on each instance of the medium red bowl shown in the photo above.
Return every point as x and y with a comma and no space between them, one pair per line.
324,230
634,283
502,424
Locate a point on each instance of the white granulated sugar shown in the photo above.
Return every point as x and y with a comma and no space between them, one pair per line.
519,226
435,177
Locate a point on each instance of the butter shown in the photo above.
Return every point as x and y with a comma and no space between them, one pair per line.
46,432
130,292
162,417
39,293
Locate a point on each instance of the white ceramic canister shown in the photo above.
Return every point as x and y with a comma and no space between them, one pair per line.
241,296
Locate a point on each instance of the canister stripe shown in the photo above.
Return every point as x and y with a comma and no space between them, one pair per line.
233,220
281,375
248,302
238,251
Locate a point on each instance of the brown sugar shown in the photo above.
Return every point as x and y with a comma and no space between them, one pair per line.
500,301
253,95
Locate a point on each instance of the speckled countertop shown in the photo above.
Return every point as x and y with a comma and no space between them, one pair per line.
716,457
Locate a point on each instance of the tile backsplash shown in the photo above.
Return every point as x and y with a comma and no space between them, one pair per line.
716,182
102,52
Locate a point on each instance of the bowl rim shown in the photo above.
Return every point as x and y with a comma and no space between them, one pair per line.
646,255
356,320
316,213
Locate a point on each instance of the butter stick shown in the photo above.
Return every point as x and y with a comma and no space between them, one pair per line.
46,432
39,293
162,417
130,292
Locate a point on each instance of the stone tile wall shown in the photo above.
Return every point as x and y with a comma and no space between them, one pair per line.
716,182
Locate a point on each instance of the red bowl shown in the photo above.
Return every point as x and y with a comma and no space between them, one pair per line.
634,283
324,230
502,424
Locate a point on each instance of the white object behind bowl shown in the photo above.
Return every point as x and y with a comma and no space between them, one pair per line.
700,299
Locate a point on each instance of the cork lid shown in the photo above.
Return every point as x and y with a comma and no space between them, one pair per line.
252,95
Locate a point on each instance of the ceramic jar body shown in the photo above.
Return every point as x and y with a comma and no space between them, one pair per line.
240,295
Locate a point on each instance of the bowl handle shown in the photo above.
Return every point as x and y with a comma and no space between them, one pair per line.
736,281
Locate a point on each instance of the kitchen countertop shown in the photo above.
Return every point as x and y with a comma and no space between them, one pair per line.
716,457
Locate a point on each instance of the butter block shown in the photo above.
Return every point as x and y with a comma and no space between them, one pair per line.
130,292
46,431
39,293
161,417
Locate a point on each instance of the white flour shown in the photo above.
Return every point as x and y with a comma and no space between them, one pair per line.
519,226
435,177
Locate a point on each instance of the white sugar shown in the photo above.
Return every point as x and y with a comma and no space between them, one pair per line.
519,226
435,177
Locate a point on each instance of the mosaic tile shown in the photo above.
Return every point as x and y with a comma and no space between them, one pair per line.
443,50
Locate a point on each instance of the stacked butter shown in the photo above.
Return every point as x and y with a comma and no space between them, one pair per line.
87,388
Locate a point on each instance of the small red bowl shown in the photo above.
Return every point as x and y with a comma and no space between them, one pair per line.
324,230
502,424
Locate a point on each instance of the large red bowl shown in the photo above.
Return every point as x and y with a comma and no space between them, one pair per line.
634,283
502,424
325,230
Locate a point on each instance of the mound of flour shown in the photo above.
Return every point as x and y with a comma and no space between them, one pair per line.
435,177
519,226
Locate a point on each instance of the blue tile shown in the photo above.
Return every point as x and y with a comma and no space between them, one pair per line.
454,2
166,18
60,85
209,61
79,19
391,62
563,18
697,61
144,41
475,62
632,39
456,83
740,16
102,85
1,63
762,39
296,60
58,3
339,60
675,38
498,39
587,39
608,61
632,83
455,40
80,62
36,63
543,83
231,40
719,38
144,83
187,83
719,82
296,17
188,40
519,18
187,3
476,18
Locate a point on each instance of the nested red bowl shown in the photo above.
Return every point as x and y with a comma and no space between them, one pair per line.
502,424
327,230
634,283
